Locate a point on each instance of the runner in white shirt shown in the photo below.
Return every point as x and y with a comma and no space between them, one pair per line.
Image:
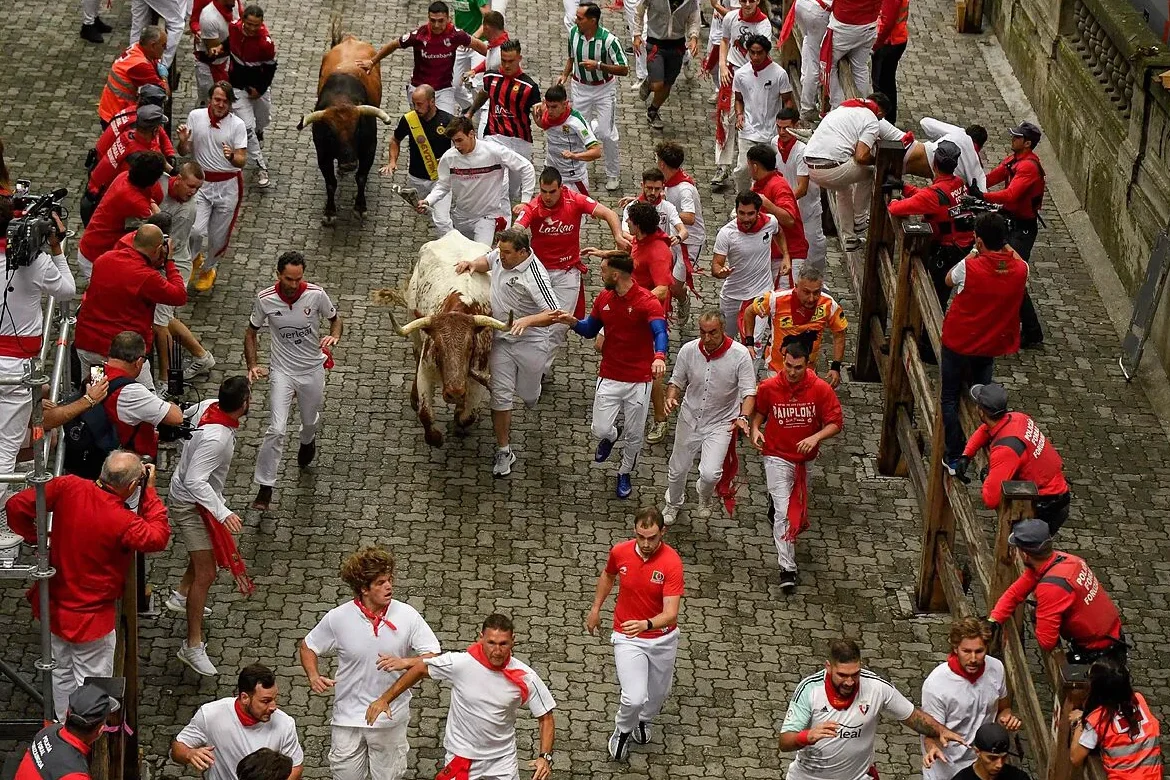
715,377
292,309
218,140
683,194
761,88
738,26
488,685
569,141
964,692
790,153
970,140
520,287
225,731
374,638
669,220
475,174
213,33
743,260
833,717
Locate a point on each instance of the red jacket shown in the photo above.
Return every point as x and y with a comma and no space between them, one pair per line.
1070,603
983,319
93,540
1024,193
794,412
124,120
892,29
122,295
122,202
864,11
938,203
775,188
1018,451
55,754
113,160
653,263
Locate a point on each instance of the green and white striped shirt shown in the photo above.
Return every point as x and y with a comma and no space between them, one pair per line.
603,47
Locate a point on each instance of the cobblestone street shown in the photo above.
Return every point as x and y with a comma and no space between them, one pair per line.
531,545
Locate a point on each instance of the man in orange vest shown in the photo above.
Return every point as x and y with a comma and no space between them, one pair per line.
136,66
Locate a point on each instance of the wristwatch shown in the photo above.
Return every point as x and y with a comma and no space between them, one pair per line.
547,757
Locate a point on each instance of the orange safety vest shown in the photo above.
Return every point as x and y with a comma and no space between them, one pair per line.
899,33
1127,757
121,92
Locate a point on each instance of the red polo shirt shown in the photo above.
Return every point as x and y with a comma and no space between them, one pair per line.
645,583
653,262
628,352
556,231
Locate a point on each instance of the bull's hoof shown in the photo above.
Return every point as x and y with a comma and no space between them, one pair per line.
434,437
329,220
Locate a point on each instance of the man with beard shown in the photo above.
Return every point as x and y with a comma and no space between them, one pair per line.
833,716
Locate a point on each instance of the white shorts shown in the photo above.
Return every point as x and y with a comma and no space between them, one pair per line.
517,369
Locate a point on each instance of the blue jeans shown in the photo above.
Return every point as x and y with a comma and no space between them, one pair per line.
957,370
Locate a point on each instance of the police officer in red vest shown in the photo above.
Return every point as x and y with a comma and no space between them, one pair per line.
1021,198
1070,601
1018,449
61,751
982,321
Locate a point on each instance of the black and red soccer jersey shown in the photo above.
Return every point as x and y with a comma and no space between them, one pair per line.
510,101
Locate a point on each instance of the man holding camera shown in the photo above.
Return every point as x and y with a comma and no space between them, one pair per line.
20,329
133,196
133,410
95,536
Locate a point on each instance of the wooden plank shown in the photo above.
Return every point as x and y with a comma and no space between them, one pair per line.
1025,702
1016,505
912,457
967,520
938,521
873,299
951,584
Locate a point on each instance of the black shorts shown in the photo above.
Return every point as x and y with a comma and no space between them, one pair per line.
664,60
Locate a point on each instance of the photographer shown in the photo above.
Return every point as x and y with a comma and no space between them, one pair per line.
20,324
133,196
125,288
133,409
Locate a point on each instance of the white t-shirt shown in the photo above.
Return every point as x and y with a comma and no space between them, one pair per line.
736,32
295,328
750,255
136,404
762,95
520,291
848,755
970,168
212,27
207,141
838,134
792,169
218,724
685,199
348,634
962,707
481,722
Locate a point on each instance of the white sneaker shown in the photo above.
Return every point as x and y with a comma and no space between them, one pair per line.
503,462
657,432
262,180
705,508
669,516
177,603
200,365
196,658
612,184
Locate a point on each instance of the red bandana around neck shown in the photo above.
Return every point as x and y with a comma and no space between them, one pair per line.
211,117
957,668
216,416
757,69
726,345
300,291
515,676
547,123
860,103
377,618
756,227
784,144
758,16
679,177
835,700
247,720
498,40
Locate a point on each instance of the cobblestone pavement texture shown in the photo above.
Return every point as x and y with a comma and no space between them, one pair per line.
531,545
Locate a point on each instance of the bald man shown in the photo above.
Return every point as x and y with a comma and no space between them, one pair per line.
426,127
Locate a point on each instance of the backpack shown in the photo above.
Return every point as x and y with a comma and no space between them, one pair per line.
90,437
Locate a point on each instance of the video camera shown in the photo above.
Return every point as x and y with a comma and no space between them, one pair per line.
175,388
32,223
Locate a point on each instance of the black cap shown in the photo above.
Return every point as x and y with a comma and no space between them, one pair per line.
151,114
992,738
1030,535
151,94
992,397
1028,131
89,705
947,150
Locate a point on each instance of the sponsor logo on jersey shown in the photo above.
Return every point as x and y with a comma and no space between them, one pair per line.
657,576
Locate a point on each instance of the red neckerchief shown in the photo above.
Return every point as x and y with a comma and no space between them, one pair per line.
376,618
957,668
757,69
247,720
785,147
515,676
759,16
726,345
761,220
498,40
547,124
680,176
860,103
300,291
424,32
835,700
214,122
216,416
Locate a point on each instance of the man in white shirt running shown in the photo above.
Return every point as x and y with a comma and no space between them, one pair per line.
519,286
488,685
833,717
474,172
716,380
743,260
292,309
790,164
374,638
682,192
225,731
761,88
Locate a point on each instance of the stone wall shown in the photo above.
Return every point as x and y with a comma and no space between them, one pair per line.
1090,69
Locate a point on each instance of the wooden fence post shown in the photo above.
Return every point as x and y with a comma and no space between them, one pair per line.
1074,689
881,235
939,521
1015,505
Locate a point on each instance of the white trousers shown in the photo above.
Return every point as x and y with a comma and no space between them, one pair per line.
639,58
598,104
369,754
779,474
466,58
440,211
75,662
217,204
710,444
309,390
645,670
15,412
517,368
567,289
481,229
814,233
632,401
725,152
444,98
174,16
89,11
203,80
853,42
743,179
730,308
89,359
853,185
515,183
256,113
812,20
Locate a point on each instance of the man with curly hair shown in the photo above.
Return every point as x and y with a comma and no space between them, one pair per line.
375,639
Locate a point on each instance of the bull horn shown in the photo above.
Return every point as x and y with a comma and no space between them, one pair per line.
309,119
412,326
374,111
484,321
